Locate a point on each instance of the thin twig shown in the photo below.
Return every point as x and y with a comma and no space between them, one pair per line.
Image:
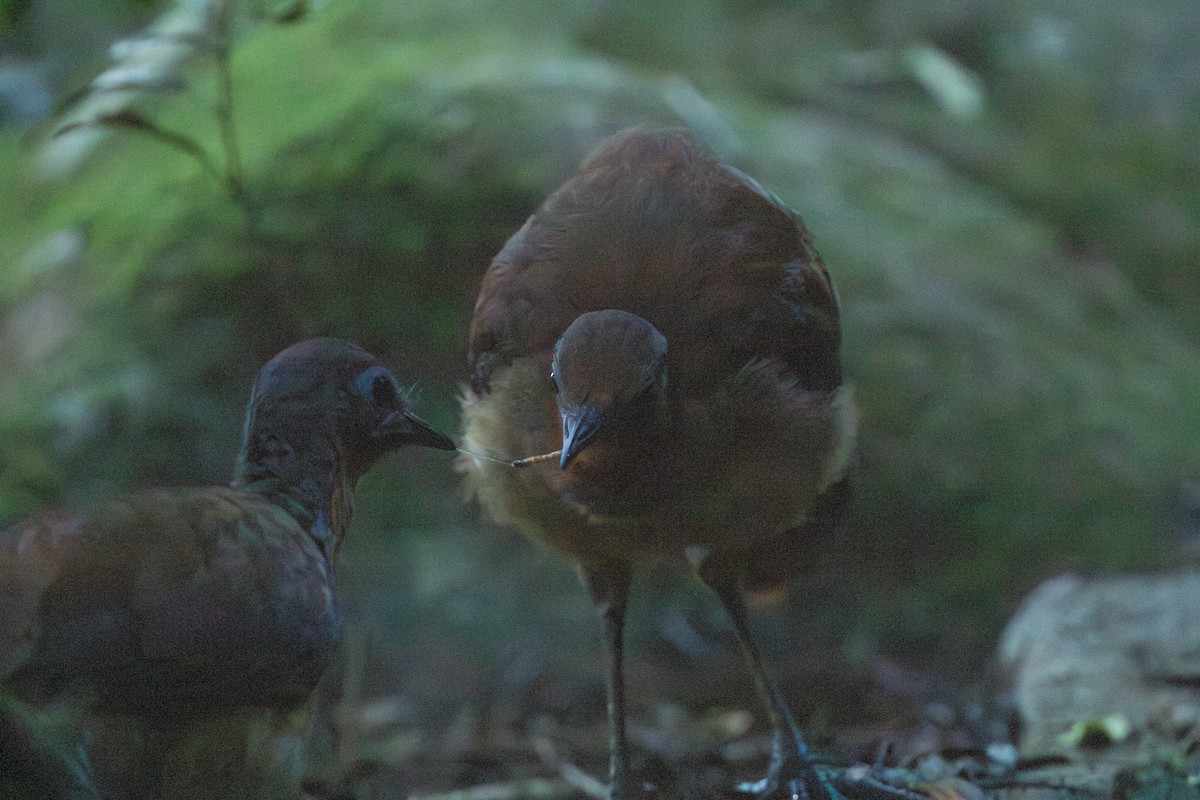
234,175
532,788
861,782
1018,783
570,773
130,120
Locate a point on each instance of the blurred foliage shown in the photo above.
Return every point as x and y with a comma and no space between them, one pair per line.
1007,193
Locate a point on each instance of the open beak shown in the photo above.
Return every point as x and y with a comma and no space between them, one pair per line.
404,428
579,426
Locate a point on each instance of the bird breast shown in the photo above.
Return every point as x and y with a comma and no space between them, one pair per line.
731,467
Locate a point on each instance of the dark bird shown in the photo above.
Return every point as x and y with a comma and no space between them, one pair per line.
667,324
205,616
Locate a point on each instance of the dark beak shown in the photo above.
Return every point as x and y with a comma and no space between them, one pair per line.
404,428
579,427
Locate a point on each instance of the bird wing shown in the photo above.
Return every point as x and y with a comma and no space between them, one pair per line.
208,597
517,312
652,225
785,303
601,240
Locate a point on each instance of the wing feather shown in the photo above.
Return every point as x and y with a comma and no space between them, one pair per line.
652,225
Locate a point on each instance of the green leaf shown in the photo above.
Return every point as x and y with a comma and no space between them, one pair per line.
131,120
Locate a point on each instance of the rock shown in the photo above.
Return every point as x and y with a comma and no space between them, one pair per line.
1088,656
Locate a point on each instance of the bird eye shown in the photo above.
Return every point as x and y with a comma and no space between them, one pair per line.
382,390
378,385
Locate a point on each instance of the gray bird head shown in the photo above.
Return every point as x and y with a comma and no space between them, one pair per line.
323,389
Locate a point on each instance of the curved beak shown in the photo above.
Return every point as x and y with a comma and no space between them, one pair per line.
404,428
579,426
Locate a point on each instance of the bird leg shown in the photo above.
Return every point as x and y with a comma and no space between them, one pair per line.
792,775
608,585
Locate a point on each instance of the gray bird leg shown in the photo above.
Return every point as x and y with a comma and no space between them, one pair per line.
792,775
608,585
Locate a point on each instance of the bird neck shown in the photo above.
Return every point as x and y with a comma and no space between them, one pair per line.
303,470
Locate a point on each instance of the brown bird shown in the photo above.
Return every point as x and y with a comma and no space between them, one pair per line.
204,616
665,322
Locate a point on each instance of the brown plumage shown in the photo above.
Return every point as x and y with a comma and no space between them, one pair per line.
668,323
203,618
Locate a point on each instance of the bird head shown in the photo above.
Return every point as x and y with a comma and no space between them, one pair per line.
323,392
610,372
